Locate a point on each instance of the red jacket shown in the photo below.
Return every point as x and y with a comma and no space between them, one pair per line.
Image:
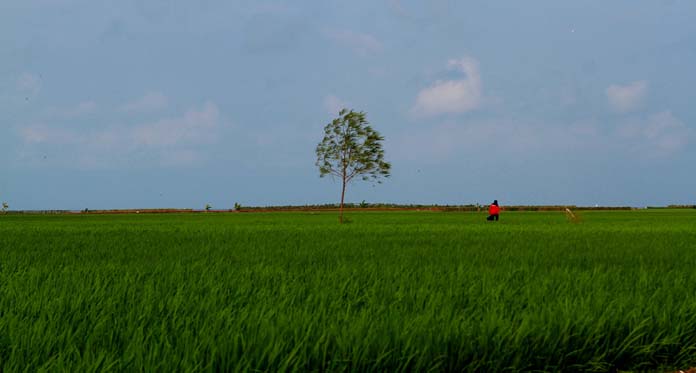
494,210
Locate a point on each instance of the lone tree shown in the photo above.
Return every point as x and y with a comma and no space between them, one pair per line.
351,148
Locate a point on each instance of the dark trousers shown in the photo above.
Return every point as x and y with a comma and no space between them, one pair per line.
493,217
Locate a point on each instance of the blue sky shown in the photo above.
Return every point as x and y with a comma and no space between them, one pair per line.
122,104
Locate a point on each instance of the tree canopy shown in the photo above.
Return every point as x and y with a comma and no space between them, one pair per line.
351,148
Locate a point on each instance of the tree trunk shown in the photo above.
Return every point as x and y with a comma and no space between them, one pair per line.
343,194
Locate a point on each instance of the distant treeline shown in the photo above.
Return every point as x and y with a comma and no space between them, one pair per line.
42,212
673,207
111,211
434,207
351,206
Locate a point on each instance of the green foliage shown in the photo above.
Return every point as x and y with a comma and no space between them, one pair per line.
403,291
364,204
352,148
237,206
5,207
208,207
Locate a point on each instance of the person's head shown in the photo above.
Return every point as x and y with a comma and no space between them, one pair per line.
495,202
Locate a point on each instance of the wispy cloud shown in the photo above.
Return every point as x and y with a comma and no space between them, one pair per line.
195,126
361,43
151,101
29,84
397,7
166,140
452,96
333,104
625,98
81,109
660,134
510,137
41,133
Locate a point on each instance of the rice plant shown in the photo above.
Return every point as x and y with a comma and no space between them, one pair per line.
406,291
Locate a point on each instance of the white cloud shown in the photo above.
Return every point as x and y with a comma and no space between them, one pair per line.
180,157
625,98
195,126
656,136
362,44
29,84
660,134
397,7
41,133
84,107
333,104
168,141
452,96
81,109
509,137
152,101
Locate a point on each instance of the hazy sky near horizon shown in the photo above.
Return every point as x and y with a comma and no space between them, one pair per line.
172,103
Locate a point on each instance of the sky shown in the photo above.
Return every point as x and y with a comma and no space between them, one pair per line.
173,103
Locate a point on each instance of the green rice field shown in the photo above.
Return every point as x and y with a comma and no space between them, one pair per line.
390,291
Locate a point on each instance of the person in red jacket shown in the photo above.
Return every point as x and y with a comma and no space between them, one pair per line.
493,211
